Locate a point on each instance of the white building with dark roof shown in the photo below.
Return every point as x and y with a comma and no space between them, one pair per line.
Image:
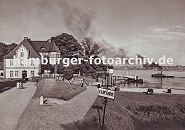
30,50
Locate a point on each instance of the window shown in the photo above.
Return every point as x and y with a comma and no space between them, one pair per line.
32,73
11,62
11,73
16,73
42,48
22,54
22,62
58,55
32,62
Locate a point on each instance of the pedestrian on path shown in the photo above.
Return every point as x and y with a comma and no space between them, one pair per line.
83,80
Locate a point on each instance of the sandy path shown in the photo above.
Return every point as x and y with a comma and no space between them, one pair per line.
13,103
76,108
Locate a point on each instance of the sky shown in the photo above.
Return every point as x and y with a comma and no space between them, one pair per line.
152,28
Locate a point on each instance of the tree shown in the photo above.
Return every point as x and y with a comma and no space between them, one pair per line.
60,69
48,67
68,74
5,49
91,47
67,44
86,68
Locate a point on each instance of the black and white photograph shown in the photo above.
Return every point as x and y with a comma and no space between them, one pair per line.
92,64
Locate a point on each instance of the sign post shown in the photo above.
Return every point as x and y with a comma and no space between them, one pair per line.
106,94
105,104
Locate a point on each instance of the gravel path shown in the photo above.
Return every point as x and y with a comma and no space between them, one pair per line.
76,108
13,103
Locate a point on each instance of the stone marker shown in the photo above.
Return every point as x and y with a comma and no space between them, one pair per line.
169,90
18,85
41,100
21,85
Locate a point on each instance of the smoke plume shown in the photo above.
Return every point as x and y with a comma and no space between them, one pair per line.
111,51
78,21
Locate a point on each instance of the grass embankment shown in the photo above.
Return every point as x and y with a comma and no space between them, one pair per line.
48,117
8,84
58,89
137,111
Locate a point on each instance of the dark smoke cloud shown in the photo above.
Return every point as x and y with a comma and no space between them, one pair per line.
78,21
111,51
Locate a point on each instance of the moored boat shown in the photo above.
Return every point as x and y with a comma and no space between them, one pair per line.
161,75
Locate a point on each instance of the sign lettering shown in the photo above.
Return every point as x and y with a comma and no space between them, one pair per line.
106,93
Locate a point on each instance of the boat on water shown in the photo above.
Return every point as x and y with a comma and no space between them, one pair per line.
134,80
129,79
161,75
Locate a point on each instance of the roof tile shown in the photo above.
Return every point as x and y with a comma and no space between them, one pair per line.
35,47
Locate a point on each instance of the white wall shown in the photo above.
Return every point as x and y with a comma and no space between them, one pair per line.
36,72
17,66
18,59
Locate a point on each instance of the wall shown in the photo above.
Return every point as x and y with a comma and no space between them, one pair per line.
15,64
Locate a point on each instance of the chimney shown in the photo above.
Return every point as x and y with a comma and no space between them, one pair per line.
26,38
49,40
52,39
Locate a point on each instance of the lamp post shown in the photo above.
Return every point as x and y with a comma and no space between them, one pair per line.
105,101
110,72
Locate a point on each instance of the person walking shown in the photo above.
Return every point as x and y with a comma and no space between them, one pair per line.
83,79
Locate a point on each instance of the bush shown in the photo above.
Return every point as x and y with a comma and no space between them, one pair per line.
8,85
68,75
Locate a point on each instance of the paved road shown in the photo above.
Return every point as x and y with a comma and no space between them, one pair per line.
13,103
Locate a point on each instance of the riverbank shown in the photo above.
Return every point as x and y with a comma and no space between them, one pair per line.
155,91
137,111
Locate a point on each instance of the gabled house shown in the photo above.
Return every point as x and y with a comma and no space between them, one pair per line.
31,50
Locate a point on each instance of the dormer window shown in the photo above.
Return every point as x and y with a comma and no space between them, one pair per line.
42,48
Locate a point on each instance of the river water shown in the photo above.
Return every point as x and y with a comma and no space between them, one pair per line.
177,83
